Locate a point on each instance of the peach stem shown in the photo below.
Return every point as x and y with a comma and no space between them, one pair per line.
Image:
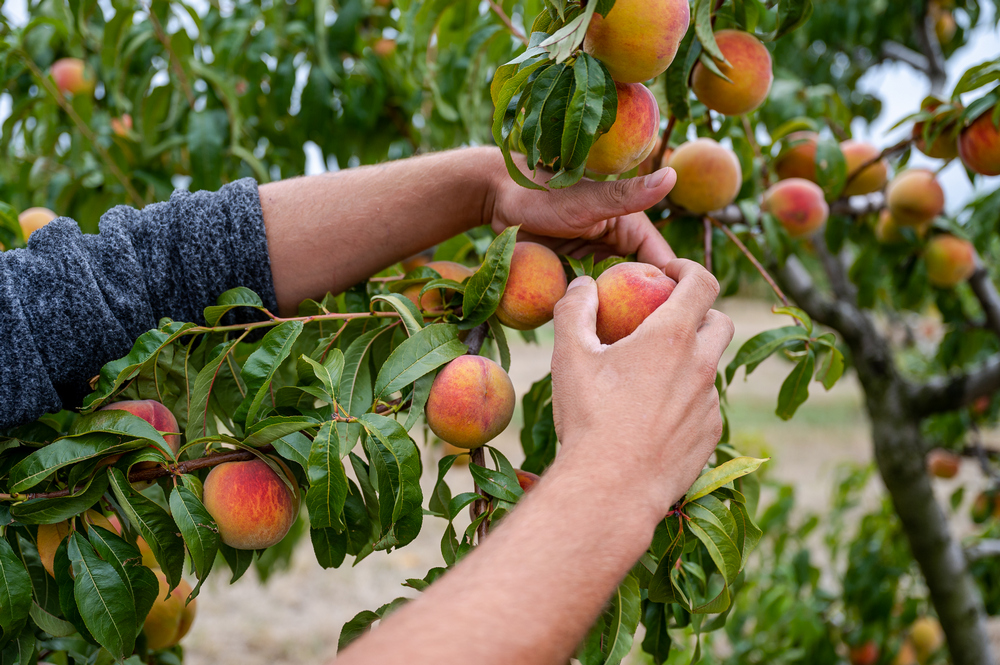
746,252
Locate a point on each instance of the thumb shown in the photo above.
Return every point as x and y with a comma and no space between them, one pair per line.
576,315
597,201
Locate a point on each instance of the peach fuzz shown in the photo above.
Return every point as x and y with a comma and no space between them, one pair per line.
708,176
471,401
872,178
33,219
171,616
950,261
627,293
72,76
638,39
979,145
536,283
250,503
632,136
749,69
914,197
797,158
431,301
798,204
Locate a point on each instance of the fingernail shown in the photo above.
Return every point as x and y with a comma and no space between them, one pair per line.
579,281
654,180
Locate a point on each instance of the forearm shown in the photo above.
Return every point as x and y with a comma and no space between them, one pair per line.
328,232
531,591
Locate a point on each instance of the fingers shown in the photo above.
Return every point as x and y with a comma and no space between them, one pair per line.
576,316
636,234
691,300
592,202
715,333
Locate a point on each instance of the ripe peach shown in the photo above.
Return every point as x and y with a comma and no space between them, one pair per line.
708,176
638,39
943,463
33,219
873,178
648,165
471,401
906,655
887,230
170,618
417,260
627,293
945,146
250,503
526,479
798,204
945,26
153,413
798,156
914,197
431,301
148,558
980,406
122,126
979,145
865,654
383,48
633,134
749,69
985,506
536,283
950,261
72,76
926,636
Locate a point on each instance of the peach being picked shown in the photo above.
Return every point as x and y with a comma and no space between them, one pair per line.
431,301
250,503
869,180
950,261
914,197
632,136
72,76
33,219
171,616
749,69
638,39
979,145
798,156
708,176
798,204
627,293
536,283
470,402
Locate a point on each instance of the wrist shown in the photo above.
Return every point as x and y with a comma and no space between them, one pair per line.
491,172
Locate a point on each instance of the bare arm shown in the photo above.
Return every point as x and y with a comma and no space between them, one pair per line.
633,442
328,232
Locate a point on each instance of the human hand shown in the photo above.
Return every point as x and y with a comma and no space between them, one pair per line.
640,417
600,218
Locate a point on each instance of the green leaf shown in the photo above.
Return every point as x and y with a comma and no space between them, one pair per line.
294,447
508,102
408,312
702,12
198,529
327,480
228,300
103,598
622,620
355,391
495,483
127,562
418,355
583,116
397,462
259,369
831,168
50,623
725,473
270,429
500,338
832,368
795,390
329,547
796,314
719,545
362,622
566,39
329,372
759,347
418,400
237,560
748,534
484,288
551,88
15,589
792,14
199,412
678,74
52,510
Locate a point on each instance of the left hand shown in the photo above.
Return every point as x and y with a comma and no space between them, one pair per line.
600,218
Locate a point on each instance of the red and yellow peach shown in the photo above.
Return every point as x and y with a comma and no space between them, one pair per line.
250,503
638,39
798,204
471,402
536,283
748,68
709,176
627,293
632,136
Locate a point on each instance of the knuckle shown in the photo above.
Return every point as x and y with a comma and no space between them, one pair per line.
615,193
707,281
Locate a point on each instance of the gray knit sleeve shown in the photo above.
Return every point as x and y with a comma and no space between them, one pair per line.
71,302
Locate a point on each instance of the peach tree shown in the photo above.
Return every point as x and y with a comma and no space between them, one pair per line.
110,105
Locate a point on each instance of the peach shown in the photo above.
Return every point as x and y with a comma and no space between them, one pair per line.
33,219
627,293
536,283
945,26
417,260
383,48
797,158
122,126
906,655
943,463
170,618
471,401
873,178
864,654
648,165
979,145
155,414
526,479
914,197
945,146
251,504
749,69
950,261
632,136
798,204
431,301
148,558
48,539
72,76
709,176
985,506
887,230
926,636
638,39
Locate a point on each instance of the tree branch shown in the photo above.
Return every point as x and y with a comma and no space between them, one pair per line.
498,10
986,292
926,37
982,550
895,51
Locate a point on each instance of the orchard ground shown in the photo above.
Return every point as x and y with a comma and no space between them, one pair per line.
297,615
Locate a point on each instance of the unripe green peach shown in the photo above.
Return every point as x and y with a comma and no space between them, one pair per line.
170,618
632,136
950,261
797,158
943,463
798,204
72,76
926,636
639,38
749,69
431,301
872,178
471,402
33,219
914,197
979,145
627,293
708,176
536,283
251,504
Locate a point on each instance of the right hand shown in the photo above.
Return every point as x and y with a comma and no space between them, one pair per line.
641,417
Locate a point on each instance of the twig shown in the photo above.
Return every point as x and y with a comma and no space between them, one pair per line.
753,259
982,549
175,62
498,10
891,150
748,130
708,243
664,144
475,339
